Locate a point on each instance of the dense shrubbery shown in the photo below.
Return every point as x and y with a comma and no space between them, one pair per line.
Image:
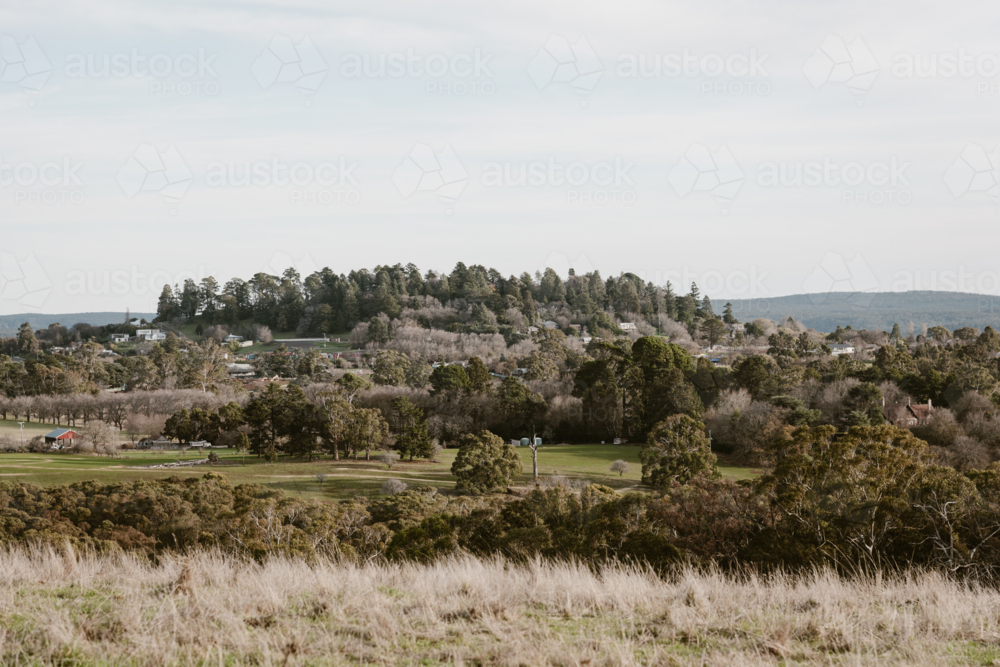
870,498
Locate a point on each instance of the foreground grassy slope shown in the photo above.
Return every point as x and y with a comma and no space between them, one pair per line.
207,609
346,478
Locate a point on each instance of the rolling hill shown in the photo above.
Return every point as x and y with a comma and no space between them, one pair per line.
871,310
823,312
9,323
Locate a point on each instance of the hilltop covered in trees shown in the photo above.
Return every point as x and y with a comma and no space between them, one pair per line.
469,299
580,359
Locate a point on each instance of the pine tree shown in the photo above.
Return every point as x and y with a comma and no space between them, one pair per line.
167,306
409,425
727,314
26,341
706,308
896,337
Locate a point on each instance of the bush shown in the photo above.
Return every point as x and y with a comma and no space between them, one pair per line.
391,487
485,464
388,457
677,450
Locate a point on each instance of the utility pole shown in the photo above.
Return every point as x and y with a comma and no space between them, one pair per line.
534,455
21,424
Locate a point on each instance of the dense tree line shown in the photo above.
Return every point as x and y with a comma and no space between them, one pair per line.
870,498
470,298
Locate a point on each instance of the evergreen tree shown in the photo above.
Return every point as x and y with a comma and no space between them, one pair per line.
167,307
409,426
677,449
896,337
727,314
706,308
485,464
479,375
26,341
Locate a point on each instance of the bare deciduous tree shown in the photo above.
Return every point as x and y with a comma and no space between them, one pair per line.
262,333
391,487
620,466
388,457
102,437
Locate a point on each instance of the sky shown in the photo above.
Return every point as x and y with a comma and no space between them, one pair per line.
756,148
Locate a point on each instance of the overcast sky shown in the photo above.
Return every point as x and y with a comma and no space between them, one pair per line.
760,149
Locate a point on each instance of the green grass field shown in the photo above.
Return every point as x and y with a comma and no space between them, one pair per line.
345,478
31,429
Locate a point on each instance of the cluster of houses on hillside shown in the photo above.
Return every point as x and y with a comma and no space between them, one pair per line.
141,335
153,335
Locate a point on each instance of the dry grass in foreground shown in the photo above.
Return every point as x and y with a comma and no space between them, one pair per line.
213,610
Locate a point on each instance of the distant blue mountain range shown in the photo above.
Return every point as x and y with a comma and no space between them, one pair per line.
10,323
874,310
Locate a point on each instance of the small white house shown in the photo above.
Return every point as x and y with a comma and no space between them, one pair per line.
839,349
150,334
628,326
119,338
532,330
230,338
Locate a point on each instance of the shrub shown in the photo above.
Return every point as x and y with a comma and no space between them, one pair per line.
388,457
677,449
620,467
485,463
391,487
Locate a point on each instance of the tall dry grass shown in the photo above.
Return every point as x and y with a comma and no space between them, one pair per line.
210,609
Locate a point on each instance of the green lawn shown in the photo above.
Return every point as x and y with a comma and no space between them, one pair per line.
346,478
31,429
